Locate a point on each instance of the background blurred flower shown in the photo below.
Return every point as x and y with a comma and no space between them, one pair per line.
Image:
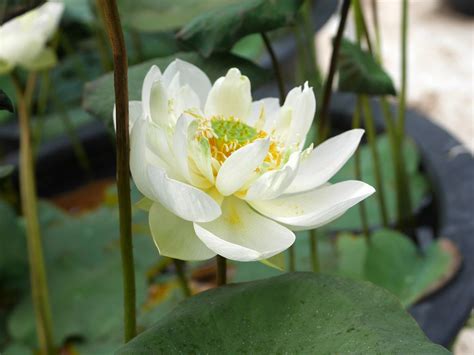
23,38
209,158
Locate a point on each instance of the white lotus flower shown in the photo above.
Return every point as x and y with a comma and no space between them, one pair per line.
23,38
227,175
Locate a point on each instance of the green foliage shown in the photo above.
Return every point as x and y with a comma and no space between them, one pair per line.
84,275
5,102
418,183
294,313
99,98
6,170
163,15
360,73
220,29
393,262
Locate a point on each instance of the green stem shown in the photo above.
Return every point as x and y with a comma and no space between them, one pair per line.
372,140
358,175
313,73
114,30
181,273
42,103
77,146
276,67
314,250
221,276
324,123
375,20
292,258
39,285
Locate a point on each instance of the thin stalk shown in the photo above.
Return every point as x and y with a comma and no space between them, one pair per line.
324,123
292,258
276,67
358,174
376,22
180,266
42,103
313,72
372,140
98,32
314,250
39,285
77,146
362,25
405,206
221,276
114,30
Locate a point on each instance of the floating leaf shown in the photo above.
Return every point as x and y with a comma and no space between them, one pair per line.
293,313
393,262
99,94
163,15
219,30
360,73
5,102
418,183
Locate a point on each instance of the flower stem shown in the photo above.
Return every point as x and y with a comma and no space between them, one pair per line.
372,139
114,30
181,273
39,286
292,258
221,276
314,250
324,123
358,173
276,67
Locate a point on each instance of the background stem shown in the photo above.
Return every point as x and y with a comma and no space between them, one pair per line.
221,276
313,243
114,30
181,273
324,123
276,67
39,287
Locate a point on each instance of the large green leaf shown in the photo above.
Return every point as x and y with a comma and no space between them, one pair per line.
360,73
294,313
84,275
153,16
99,94
393,262
418,182
219,30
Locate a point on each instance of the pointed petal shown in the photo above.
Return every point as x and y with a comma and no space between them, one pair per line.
230,96
189,75
325,161
182,199
273,183
138,161
243,235
314,208
239,167
175,237
180,144
153,75
266,107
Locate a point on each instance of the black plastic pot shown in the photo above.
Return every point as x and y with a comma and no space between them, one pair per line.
450,170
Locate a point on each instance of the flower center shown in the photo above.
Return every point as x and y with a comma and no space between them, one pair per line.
227,135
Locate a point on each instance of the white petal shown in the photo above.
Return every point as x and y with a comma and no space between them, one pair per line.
230,96
273,183
189,75
314,208
154,97
134,113
243,235
138,161
240,166
201,155
175,237
182,199
265,107
325,161
180,144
